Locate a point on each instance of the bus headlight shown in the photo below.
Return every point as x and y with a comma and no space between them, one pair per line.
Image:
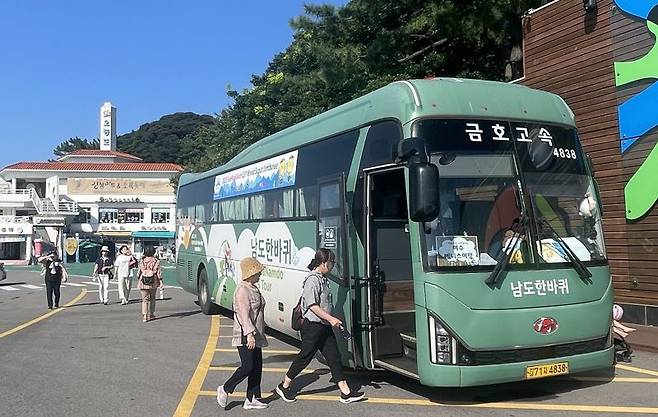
442,344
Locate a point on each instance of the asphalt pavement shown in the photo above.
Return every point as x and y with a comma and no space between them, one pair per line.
88,359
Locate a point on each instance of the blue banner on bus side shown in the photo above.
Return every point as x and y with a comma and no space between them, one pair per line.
265,175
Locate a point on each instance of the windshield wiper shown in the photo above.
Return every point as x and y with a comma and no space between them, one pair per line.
578,265
502,260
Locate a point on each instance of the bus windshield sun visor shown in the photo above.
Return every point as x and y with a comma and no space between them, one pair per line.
578,265
518,227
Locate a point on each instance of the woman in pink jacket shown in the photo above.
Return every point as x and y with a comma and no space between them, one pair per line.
248,337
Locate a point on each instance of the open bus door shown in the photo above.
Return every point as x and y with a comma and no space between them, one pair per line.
390,314
332,235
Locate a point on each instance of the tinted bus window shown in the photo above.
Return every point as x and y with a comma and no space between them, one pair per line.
382,139
326,158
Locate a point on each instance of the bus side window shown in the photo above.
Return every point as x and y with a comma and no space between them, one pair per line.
306,198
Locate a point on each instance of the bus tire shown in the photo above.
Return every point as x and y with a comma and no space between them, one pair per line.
207,306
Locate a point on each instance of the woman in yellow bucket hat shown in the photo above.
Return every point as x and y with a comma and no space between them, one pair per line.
248,336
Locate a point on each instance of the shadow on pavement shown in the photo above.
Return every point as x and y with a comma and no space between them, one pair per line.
181,314
539,389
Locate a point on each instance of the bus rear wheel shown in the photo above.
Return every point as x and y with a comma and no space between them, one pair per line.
207,306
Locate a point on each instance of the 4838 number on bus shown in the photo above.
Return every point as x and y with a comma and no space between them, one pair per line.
542,371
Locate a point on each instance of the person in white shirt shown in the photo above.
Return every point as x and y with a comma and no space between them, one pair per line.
124,263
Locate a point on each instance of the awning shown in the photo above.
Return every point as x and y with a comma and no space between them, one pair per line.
84,244
153,234
111,233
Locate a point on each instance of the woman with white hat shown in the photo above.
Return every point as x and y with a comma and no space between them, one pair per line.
248,337
103,272
124,263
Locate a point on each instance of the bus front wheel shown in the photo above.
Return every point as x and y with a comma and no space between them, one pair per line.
207,306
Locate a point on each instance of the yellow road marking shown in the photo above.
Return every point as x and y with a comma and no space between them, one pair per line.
83,292
615,379
455,404
272,370
186,403
638,370
285,352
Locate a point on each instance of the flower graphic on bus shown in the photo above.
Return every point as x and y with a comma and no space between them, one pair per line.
186,232
226,264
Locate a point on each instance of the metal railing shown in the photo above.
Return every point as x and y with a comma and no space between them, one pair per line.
5,190
45,205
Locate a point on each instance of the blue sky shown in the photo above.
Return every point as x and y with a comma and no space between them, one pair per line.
61,60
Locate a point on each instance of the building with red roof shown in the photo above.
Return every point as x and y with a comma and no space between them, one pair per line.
86,198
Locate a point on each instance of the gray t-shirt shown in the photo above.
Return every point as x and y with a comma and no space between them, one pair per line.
316,291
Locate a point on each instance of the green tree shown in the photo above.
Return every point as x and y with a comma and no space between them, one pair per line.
338,54
160,141
75,143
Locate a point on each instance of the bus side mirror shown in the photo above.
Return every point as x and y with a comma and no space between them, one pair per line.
423,192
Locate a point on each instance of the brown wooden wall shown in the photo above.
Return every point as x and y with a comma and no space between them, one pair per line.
571,53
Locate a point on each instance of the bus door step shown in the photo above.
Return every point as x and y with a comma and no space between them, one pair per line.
401,365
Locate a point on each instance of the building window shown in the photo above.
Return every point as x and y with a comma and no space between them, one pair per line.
112,215
133,216
84,216
160,215
108,215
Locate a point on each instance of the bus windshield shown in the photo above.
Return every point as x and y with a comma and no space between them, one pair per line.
492,171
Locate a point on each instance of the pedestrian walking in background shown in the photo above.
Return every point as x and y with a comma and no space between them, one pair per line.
103,271
248,337
318,330
124,264
149,278
54,273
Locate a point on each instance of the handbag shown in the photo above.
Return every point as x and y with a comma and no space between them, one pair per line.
243,337
297,317
110,272
148,277
132,263
65,275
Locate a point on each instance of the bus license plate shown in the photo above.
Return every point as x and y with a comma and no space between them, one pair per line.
542,371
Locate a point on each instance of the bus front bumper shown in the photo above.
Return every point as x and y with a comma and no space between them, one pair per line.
464,376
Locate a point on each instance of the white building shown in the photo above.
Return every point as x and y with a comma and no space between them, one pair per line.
99,196
103,196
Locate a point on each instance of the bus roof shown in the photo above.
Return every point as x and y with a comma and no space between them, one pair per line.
406,101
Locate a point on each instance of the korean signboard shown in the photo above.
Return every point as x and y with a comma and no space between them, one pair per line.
118,186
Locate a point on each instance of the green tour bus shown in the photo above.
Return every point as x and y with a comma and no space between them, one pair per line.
465,220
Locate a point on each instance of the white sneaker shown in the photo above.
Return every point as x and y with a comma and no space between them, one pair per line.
222,396
254,404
